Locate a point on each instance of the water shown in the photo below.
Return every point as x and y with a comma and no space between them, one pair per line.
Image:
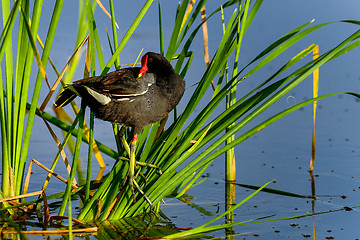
281,151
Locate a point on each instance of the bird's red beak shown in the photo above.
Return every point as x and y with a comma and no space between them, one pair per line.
143,68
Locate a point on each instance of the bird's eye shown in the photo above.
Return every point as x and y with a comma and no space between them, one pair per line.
150,60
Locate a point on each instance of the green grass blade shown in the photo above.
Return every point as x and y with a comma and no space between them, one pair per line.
113,26
74,163
38,83
219,59
232,113
6,33
89,209
160,30
170,52
9,80
194,16
274,191
127,36
203,229
149,142
90,157
70,218
22,47
192,181
6,107
94,37
173,180
6,158
282,44
53,165
261,126
81,33
254,10
66,127
20,165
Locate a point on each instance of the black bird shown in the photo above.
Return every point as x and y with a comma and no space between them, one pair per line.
134,97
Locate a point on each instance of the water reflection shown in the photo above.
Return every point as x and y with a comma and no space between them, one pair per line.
230,190
313,194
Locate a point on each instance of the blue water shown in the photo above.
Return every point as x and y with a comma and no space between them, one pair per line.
281,151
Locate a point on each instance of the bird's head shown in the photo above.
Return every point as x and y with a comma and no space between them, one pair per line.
155,63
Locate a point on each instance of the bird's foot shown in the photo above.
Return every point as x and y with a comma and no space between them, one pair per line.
142,164
133,165
131,179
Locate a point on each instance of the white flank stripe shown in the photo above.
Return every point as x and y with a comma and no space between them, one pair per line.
122,99
101,98
129,95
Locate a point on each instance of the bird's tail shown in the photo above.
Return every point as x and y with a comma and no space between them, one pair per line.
65,97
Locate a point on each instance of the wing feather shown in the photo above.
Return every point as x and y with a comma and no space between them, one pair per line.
120,83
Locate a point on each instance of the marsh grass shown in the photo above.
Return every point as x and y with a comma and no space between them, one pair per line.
182,148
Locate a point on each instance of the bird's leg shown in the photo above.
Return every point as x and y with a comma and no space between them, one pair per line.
131,173
123,140
142,164
132,165
146,197
127,149
131,177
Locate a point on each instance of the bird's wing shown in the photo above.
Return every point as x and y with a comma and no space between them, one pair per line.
120,83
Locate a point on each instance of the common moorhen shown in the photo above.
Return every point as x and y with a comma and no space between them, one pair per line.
134,97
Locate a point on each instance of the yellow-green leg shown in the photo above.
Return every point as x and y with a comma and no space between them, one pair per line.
131,172
130,177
